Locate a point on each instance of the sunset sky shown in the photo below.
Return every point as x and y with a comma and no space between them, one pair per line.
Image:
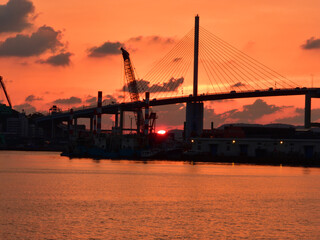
62,52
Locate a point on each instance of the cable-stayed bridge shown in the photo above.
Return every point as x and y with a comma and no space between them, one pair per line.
229,74
221,66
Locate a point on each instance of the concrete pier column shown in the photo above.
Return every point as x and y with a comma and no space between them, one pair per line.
121,121
75,126
146,115
52,128
194,119
116,121
95,122
99,112
138,123
91,124
307,111
70,121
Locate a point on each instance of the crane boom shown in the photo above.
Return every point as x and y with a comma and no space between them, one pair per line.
132,87
5,91
130,76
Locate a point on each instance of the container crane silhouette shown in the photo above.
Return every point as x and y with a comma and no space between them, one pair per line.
5,91
132,87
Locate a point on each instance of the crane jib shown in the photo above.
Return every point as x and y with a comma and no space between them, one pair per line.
132,86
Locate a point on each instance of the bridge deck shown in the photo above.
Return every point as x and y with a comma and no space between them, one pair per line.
131,106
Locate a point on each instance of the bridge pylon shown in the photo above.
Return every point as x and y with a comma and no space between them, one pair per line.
194,110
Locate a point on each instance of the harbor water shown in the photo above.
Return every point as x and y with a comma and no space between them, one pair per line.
46,196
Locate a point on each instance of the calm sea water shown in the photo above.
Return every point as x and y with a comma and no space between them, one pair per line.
45,196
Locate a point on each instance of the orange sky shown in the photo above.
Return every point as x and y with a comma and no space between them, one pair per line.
269,31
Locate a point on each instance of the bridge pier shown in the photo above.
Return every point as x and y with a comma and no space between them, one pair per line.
194,119
70,122
307,111
138,121
121,121
116,120
75,126
52,129
91,124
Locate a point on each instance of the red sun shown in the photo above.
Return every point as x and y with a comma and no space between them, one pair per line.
161,132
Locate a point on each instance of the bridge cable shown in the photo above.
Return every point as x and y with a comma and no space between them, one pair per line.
237,70
249,59
156,72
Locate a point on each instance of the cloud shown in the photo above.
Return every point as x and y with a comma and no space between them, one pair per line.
26,107
170,86
113,48
298,118
14,16
71,100
312,43
32,98
45,38
107,48
250,113
91,100
171,115
175,114
152,39
238,84
109,99
61,59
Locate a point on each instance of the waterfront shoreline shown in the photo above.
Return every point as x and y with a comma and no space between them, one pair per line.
195,160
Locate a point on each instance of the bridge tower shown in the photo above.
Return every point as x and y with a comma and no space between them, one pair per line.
194,111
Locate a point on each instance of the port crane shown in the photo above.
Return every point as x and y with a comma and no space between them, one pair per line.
146,125
132,87
5,91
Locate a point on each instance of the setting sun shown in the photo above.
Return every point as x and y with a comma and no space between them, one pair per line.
162,132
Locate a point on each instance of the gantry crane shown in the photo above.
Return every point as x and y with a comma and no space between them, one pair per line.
5,91
132,87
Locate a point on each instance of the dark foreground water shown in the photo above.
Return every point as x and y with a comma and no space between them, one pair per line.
45,196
